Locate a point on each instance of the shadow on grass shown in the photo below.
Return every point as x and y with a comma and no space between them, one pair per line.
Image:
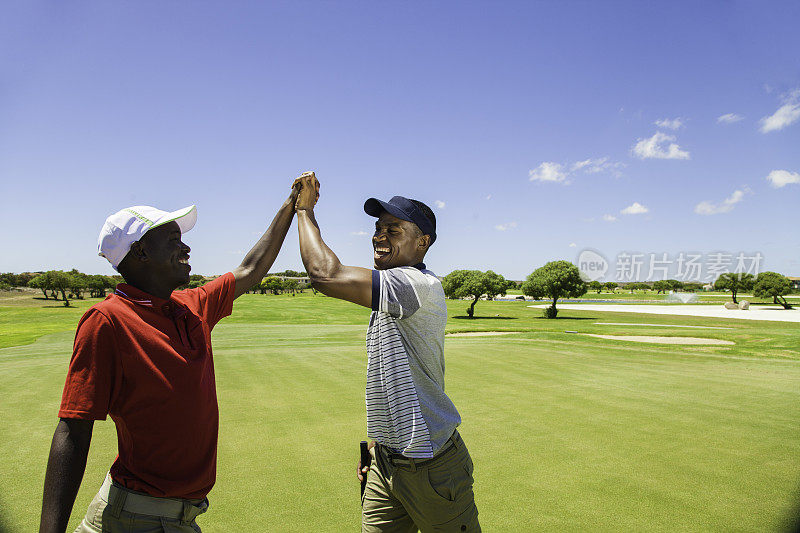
793,520
463,317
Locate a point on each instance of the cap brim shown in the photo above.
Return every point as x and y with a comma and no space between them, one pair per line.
374,207
186,218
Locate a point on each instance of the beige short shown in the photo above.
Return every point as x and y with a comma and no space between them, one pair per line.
117,510
403,495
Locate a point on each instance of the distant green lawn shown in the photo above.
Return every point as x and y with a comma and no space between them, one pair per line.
567,432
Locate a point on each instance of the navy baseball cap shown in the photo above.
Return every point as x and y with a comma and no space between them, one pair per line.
404,209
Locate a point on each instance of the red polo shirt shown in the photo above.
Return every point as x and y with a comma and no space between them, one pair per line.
147,363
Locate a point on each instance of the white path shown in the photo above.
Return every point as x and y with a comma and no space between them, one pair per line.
661,340
714,311
655,325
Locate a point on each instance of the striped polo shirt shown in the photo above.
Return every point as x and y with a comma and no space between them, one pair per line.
407,409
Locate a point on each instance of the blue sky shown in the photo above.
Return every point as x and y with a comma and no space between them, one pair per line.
534,130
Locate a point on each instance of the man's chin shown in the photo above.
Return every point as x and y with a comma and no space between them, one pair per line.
381,263
387,263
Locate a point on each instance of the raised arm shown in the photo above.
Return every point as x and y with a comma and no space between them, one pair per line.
65,468
327,273
258,261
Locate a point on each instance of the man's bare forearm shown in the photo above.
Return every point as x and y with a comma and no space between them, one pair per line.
320,262
65,467
327,273
260,258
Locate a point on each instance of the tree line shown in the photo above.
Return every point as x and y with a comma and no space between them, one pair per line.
661,286
72,284
555,280
562,279
282,282
68,285
276,285
75,285
765,285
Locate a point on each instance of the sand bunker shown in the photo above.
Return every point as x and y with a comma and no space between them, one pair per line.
480,333
661,340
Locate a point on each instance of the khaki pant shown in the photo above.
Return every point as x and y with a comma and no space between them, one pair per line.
434,496
117,510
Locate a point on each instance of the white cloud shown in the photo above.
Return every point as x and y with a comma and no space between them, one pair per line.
506,226
600,164
708,208
635,209
781,178
488,196
729,118
580,164
439,204
609,218
572,245
673,124
786,115
548,171
654,148
560,173
359,233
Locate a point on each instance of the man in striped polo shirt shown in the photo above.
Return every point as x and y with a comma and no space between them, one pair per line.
421,477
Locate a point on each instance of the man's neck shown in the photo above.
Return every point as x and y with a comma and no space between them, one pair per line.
148,286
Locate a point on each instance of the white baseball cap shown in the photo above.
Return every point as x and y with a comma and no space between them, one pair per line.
127,226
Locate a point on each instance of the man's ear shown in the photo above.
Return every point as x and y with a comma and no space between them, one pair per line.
137,252
424,241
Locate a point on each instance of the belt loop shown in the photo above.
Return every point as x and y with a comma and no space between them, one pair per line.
385,464
455,438
186,517
119,500
412,464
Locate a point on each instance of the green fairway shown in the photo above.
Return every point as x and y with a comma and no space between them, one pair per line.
567,432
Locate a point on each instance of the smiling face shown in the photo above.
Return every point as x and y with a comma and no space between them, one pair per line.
397,243
167,256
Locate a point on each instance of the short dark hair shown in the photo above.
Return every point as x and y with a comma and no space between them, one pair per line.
427,212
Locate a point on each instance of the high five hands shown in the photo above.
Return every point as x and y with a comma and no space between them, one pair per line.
308,186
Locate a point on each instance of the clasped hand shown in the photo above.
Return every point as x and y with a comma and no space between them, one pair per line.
307,186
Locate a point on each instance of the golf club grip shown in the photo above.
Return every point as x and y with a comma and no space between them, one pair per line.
366,460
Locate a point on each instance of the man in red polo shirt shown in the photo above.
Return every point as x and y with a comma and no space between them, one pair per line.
143,356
